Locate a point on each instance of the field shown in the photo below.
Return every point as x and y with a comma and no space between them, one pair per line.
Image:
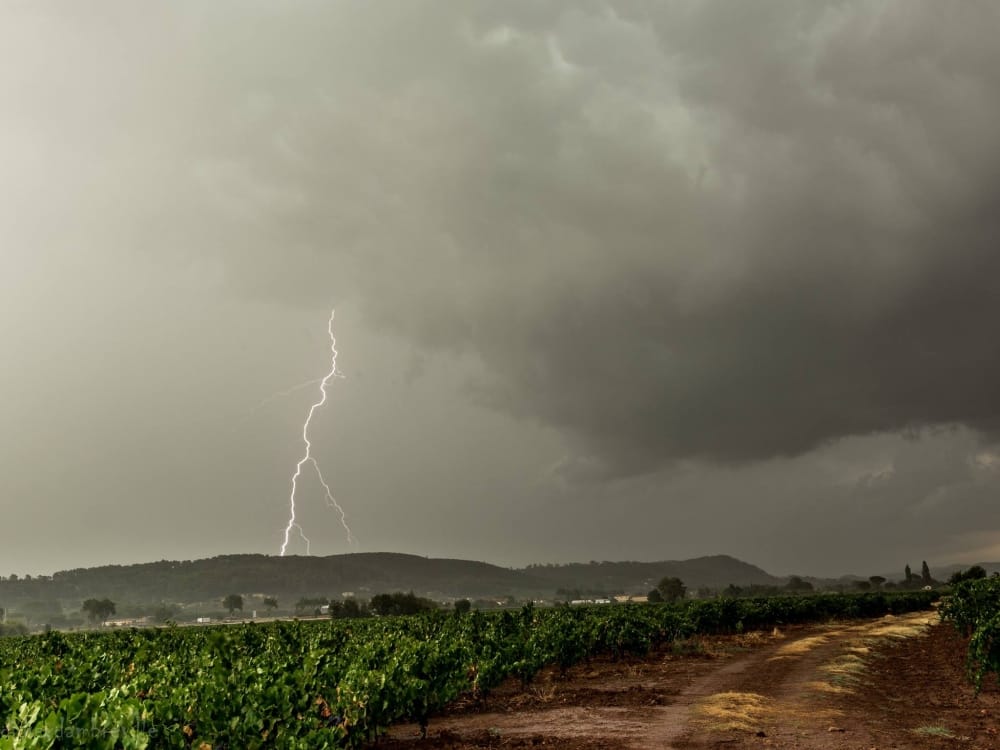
893,682
342,683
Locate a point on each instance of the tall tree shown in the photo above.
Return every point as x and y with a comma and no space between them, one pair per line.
908,574
399,603
797,583
925,574
351,608
98,610
671,589
233,602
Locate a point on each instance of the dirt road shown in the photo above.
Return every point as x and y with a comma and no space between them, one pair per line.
811,687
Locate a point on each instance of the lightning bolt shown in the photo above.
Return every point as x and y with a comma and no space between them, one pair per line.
332,502
304,538
281,394
274,397
293,524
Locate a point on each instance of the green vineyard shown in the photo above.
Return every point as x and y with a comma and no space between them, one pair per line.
338,683
974,608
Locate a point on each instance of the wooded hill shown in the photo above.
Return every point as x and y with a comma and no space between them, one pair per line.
715,572
366,574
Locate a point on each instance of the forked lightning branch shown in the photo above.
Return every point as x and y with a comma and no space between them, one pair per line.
307,458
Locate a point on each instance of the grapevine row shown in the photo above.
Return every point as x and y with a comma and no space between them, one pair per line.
974,608
339,683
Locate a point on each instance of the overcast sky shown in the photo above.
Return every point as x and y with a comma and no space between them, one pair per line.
613,280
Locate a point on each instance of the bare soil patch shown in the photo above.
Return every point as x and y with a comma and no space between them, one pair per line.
915,695
602,703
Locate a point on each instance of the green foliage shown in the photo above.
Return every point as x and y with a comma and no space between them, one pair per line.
671,589
335,683
972,574
98,610
232,602
401,604
974,609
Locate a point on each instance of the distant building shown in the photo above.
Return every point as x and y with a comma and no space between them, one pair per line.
127,622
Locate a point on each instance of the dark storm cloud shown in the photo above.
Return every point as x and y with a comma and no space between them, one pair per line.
688,230
894,498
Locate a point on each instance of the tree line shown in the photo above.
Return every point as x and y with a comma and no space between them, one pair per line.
397,603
